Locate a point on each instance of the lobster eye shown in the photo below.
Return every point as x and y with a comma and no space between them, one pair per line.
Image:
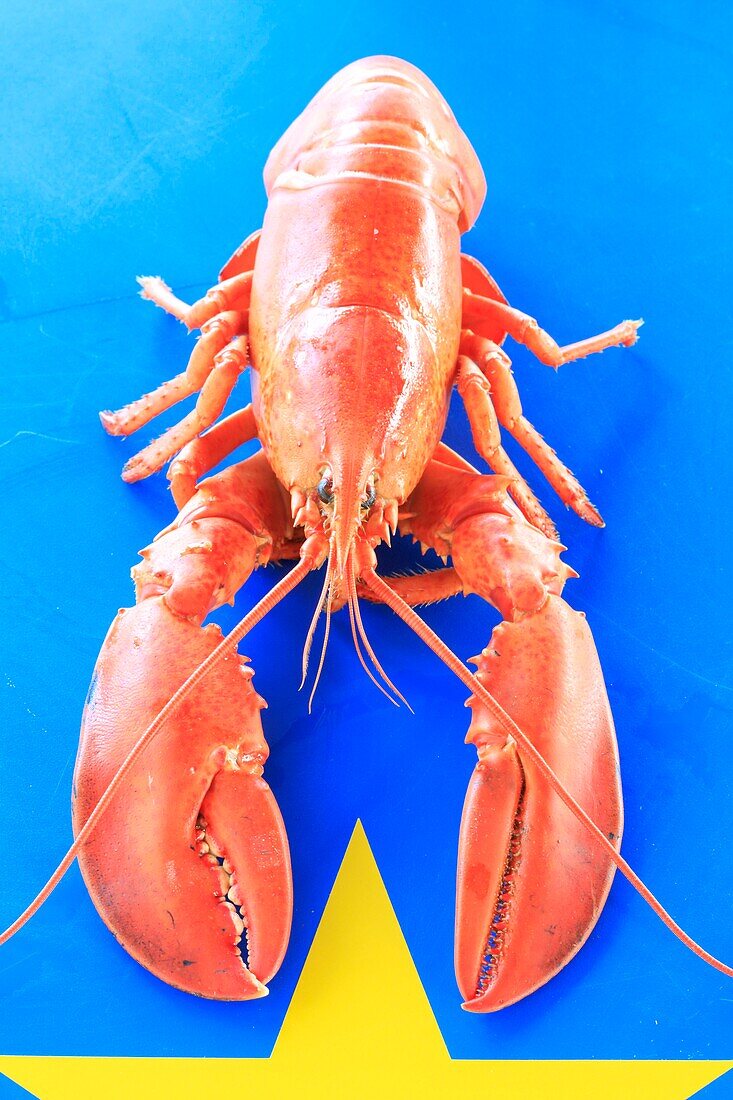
325,489
369,499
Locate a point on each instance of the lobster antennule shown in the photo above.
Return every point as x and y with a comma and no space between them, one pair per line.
325,590
388,596
326,597
360,655
350,484
324,647
225,646
358,625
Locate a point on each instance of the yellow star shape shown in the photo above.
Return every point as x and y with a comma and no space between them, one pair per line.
359,1025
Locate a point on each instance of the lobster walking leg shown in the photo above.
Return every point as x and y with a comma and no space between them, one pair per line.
421,588
228,365
495,365
476,392
206,451
215,336
191,872
531,882
233,293
222,314
479,312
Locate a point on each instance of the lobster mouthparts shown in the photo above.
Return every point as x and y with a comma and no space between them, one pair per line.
191,868
531,880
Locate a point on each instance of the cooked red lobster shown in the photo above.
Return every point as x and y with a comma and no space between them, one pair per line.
357,315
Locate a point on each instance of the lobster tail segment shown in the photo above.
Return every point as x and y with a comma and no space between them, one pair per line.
383,101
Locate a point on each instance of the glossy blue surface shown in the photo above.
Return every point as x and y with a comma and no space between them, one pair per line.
133,143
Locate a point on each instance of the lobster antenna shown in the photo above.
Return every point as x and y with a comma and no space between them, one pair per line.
324,647
314,621
360,655
388,596
354,596
225,646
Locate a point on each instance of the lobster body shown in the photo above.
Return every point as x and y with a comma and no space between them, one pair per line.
358,316
353,307
355,314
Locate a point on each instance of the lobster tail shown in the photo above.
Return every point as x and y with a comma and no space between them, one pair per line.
377,92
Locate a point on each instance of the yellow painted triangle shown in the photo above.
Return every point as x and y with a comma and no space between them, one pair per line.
359,1026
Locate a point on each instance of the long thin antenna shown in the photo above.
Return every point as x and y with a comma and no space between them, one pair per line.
360,655
363,635
314,621
324,647
441,650
225,646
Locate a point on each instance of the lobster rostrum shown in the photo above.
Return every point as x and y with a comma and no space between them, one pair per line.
357,316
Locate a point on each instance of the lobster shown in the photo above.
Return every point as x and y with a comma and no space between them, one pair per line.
357,315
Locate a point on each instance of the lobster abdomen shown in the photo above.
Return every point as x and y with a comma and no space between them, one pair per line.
381,115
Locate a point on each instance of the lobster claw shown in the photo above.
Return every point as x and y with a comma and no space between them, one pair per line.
191,871
531,879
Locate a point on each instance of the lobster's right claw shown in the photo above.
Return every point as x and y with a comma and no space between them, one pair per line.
190,867
531,879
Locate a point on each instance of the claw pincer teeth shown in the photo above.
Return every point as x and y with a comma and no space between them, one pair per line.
227,888
489,858
499,923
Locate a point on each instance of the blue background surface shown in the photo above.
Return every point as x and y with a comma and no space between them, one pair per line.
134,139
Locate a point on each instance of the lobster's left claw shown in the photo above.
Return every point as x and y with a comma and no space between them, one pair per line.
531,879
191,868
